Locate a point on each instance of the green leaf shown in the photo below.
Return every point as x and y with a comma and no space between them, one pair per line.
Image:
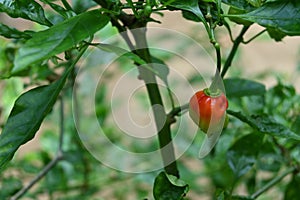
269,159
59,9
236,87
25,9
9,32
283,16
266,124
80,6
121,52
58,38
160,70
168,187
275,34
9,186
190,5
239,4
26,117
242,154
292,190
235,11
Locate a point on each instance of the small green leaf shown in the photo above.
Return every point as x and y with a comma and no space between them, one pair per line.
236,87
168,187
9,32
190,6
26,117
283,16
25,9
275,34
266,124
242,154
58,38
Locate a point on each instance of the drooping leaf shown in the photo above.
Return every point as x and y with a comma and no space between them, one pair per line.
25,9
266,124
160,70
9,32
242,154
281,15
236,87
58,38
168,187
26,117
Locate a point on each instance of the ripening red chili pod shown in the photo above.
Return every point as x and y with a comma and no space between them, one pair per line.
207,109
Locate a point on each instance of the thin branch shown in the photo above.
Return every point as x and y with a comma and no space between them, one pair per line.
254,37
42,173
273,182
178,110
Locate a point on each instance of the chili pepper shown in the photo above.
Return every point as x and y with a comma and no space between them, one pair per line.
207,109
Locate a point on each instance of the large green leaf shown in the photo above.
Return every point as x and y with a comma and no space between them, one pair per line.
168,187
281,15
25,9
266,124
242,154
58,38
236,87
26,117
9,32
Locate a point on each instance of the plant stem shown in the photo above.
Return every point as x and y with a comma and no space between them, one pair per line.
162,124
272,183
232,53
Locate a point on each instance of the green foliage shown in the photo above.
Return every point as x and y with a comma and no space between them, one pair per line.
26,117
275,15
246,88
24,9
169,187
58,38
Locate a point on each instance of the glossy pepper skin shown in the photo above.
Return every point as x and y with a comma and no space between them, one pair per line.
207,110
